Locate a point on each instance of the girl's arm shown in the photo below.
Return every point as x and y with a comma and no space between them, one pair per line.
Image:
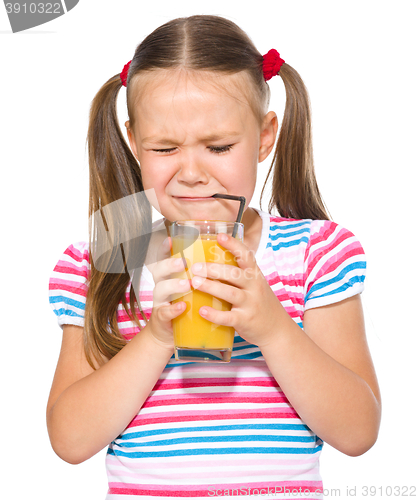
324,370
327,374
87,409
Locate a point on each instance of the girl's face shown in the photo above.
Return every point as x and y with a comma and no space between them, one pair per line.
193,139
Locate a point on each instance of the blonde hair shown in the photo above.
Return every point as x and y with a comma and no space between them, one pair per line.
196,43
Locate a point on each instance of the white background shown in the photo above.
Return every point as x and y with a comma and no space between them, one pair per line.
358,60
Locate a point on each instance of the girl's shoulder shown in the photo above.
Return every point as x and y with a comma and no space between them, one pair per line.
308,233
319,260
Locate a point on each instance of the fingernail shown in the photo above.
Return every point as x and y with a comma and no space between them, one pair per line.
197,267
223,237
179,262
182,282
197,281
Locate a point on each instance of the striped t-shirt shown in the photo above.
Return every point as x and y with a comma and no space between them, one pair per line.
211,430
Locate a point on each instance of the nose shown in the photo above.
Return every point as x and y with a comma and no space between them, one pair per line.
191,169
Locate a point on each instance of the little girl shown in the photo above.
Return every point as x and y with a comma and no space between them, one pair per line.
300,373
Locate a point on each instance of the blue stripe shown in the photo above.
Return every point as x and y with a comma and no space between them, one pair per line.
287,244
66,300
220,439
178,363
336,279
67,312
214,428
238,338
217,451
342,288
274,237
281,227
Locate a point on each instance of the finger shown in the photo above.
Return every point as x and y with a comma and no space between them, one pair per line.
224,272
167,311
243,255
167,268
225,318
167,290
231,294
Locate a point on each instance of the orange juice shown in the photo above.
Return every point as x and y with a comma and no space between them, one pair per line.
191,331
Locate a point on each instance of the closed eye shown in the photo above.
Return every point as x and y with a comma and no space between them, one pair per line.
220,149
162,151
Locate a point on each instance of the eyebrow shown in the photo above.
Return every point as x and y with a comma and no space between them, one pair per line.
167,141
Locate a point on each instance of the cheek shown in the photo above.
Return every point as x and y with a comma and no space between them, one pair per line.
154,174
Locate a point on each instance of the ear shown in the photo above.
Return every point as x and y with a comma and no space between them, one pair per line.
268,135
131,138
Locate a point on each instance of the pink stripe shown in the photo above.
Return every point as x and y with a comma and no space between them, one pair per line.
214,398
60,281
129,336
274,218
221,395
122,317
76,254
325,231
148,294
295,279
285,280
209,400
283,297
129,331
283,294
209,382
201,415
68,268
202,491
80,289
346,253
336,261
316,255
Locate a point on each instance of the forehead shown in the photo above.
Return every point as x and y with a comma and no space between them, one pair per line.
183,93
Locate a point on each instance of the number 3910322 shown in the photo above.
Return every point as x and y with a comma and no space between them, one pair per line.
34,8
389,491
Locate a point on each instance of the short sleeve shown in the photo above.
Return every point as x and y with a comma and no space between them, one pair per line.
334,267
67,285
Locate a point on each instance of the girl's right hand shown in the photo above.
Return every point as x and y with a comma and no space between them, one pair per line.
163,311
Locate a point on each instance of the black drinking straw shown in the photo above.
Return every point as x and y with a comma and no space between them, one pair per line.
241,199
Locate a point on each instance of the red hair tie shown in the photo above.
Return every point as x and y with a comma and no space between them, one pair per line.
272,62
124,74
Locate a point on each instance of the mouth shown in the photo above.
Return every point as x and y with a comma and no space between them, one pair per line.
195,198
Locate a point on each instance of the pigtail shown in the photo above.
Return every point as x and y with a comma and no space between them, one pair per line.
295,192
114,175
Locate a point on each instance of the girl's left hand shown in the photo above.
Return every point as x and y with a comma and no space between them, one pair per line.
256,312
